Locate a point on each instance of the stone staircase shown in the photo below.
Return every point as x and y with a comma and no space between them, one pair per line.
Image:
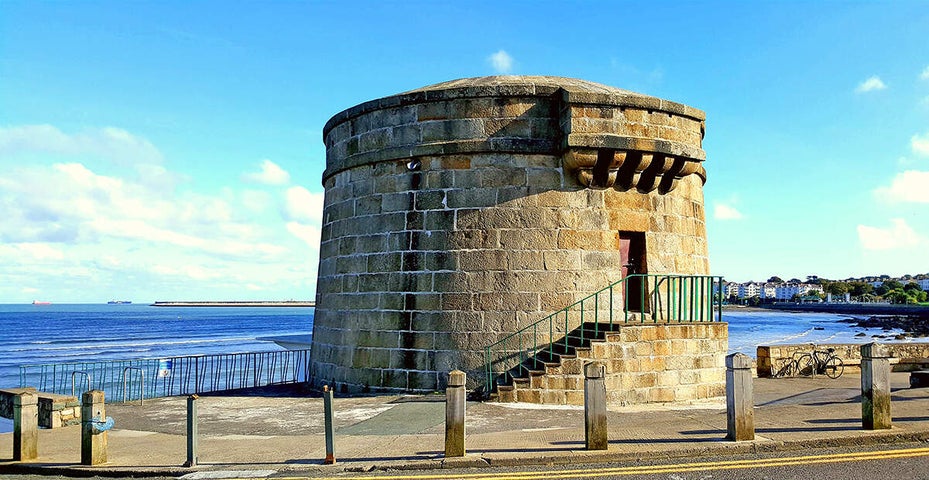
644,362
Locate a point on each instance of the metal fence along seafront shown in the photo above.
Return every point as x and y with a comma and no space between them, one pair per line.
131,380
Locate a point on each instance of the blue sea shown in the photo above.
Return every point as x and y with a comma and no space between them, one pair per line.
43,334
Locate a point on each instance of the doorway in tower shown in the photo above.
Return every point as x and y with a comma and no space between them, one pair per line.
632,253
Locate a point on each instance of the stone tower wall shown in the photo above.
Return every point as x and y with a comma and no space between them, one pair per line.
457,214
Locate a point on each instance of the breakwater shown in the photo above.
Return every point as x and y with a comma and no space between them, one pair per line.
237,303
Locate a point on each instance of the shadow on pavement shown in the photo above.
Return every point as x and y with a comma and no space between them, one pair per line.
527,450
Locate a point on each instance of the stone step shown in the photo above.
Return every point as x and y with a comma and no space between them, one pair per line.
506,393
536,378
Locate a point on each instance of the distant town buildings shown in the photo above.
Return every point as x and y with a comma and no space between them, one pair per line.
770,291
812,289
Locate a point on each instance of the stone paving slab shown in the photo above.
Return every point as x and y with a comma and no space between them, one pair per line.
285,433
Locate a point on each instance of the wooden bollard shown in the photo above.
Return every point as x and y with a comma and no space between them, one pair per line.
93,443
740,401
330,428
595,429
455,406
193,432
875,387
25,427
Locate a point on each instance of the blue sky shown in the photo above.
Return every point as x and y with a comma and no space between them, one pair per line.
172,150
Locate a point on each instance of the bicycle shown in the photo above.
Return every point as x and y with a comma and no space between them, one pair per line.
788,369
819,362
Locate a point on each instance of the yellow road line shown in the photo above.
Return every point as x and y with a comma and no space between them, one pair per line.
676,468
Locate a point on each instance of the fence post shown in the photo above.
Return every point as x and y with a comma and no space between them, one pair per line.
193,432
25,427
740,402
875,387
93,442
455,405
595,432
330,430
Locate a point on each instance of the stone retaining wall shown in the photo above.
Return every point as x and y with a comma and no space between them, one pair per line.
666,363
58,410
906,356
649,363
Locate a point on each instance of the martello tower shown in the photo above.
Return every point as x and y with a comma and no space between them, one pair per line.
459,212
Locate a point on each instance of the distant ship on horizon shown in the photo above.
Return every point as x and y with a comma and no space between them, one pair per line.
41,302
119,302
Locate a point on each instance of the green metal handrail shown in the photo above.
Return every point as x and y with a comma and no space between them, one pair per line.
661,298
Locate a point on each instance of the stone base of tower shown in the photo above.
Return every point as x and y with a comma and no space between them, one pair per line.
647,363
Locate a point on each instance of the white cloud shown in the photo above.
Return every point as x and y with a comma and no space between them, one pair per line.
31,251
925,74
270,174
83,229
899,235
302,205
871,84
501,61
911,186
96,213
256,201
308,233
920,144
722,211
193,272
112,143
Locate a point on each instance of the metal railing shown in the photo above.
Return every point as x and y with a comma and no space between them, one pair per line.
171,376
639,298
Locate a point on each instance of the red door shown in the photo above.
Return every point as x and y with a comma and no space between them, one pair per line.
632,254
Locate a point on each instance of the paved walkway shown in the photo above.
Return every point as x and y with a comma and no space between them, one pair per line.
283,431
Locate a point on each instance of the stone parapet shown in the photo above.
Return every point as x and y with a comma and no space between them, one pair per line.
604,134
905,357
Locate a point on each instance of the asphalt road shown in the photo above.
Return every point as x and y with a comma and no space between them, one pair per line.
898,461
864,463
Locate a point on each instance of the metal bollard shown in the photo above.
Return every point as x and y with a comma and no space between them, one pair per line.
595,431
740,401
93,439
330,429
193,442
25,427
455,406
875,387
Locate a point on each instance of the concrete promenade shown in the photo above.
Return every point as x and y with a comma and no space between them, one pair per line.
282,431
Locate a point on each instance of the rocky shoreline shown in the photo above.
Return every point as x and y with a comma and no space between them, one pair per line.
913,326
